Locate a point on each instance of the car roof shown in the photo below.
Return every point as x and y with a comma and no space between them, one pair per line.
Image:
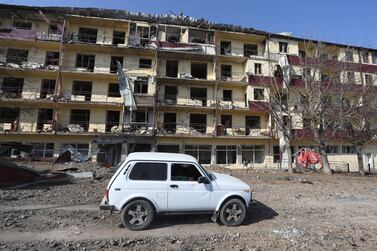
160,156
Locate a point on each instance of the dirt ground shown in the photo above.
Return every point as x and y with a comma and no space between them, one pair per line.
298,211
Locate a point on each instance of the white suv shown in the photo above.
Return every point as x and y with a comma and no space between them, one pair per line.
149,183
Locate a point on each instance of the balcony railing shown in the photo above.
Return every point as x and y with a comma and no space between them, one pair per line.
166,128
165,99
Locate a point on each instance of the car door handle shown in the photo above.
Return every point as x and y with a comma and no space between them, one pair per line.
174,186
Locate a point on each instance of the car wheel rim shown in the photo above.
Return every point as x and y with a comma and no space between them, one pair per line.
137,215
233,213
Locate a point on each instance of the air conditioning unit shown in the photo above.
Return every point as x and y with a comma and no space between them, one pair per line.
77,97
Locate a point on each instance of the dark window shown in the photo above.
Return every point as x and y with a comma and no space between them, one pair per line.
168,148
80,117
227,95
140,117
141,85
225,47
113,90
149,171
199,94
302,53
350,77
226,154
332,149
85,61
198,122
17,56
226,72
44,117
170,122
258,94
258,68
184,172
170,94
52,58
22,25
283,47
87,35
226,121
145,63
349,56
42,150
12,87
348,149
47,88
252,122
171,69
112,119
9,115
201,152
250,50
374,58
114,65
199,70
368,79
53,29
118,37
365,56
83,88
276,154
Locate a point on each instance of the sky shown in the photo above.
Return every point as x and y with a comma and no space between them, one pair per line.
338,21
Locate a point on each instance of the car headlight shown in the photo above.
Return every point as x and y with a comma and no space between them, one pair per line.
247,190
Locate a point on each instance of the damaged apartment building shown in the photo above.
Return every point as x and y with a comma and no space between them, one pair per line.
194,84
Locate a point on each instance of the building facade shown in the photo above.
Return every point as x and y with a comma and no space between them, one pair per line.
196,86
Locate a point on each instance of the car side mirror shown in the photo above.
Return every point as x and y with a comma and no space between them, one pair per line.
203,179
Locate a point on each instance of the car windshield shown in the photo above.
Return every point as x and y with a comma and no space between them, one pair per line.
207,173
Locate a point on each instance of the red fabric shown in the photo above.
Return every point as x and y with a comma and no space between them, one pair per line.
308,157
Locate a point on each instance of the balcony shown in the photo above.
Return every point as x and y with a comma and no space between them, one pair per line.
232,104
174,100
243,132
178,129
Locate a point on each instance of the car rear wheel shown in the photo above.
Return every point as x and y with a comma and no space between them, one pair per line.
137,215
233,213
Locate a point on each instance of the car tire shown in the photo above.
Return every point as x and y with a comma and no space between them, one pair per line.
138,215
233,213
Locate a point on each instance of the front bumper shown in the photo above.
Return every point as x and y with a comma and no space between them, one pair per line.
105,205
251,198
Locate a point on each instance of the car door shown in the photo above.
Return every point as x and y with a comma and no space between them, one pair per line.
184,191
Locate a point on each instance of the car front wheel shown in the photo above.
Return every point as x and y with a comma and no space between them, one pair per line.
233,213
137,215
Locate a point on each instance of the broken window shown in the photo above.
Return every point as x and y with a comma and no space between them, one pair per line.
82,88
119,37
87,35
276,154
42,150
226,154
283,47
44,117
170,122
250,50
258,94
173,34
201,152
17,56
12,87
113,90
144,34
199,70
368,79
252,122
53,29
52,58
257,68
9,115
198,122
170,94
302,53
80,117
350,77
201,37
112,119
365,56
226,121
140,117
22,25
374,58
199,94
171,68
227,95
184,172
253,153
225,48
349,56
141,85
82,148
226,72
85,61
145,63
114,65
47,88
168,148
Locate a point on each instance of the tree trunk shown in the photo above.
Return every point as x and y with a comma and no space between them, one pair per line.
360,161
325,160
289,155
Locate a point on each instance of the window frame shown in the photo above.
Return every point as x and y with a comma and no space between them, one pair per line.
184,163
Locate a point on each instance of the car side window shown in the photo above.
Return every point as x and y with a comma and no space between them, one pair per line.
184,172
149,171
